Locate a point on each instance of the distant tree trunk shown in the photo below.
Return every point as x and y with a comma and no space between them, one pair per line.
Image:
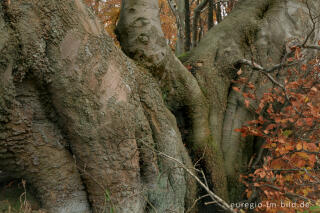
200,33
218,11
178,10
210,14
231,4
82,123
187,44
182,13
195,26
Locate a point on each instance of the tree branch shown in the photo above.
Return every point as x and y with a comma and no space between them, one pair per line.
196,15
289,194
213,196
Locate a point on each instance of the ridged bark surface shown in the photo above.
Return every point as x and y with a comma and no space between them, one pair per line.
82,123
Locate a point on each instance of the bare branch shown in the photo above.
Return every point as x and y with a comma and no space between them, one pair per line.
312,47
313,25
195,202
266,72
290,194
256,66
223,204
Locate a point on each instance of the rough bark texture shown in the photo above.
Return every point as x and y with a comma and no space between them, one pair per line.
82,123
195,22
187,44
178,10
76,115
210,14
262,29
142,39
218,11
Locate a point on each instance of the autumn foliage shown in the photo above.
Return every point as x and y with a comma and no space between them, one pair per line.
288,120
108,12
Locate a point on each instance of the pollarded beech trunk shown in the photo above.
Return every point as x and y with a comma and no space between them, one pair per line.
258,31
141,38
82,123
79,120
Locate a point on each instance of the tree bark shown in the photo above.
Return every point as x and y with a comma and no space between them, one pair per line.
187,44
141,38
82,123
210,14
72,79
196,16
262,29
178,11
218,11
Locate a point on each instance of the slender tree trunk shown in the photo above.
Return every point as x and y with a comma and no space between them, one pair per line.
182,13
178,11
218,11
195,26
200,33
210,14
187,44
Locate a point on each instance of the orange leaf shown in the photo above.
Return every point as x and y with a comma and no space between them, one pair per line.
247,103
299,146
304,67
237,89
303,155
278,164
271,126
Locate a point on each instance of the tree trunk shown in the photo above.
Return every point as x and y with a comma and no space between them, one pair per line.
262,29
210,14
141,38
196,17
177,8
218,11
82,123
187,44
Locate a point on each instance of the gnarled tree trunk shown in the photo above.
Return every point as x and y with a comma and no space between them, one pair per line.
262,29
82,123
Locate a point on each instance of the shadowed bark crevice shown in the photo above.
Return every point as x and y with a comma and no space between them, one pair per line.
39,155
172,189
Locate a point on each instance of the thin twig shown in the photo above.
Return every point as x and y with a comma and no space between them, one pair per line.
290,194
223,204
195,202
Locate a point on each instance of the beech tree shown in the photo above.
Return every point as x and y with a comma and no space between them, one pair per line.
83,121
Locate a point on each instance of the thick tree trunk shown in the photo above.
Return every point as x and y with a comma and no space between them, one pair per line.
79,120
141,38
262,29
82,123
